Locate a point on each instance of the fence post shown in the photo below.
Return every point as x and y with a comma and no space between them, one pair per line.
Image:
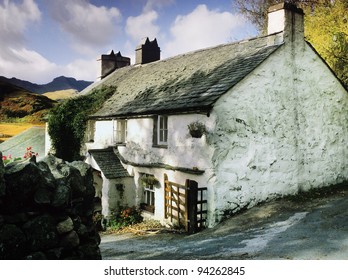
192,206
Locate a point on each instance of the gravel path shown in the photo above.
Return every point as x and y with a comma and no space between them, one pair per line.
314,226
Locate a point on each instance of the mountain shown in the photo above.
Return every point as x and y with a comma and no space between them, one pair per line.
59,83
19,103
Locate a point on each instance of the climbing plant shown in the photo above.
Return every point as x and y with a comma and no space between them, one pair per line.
67,122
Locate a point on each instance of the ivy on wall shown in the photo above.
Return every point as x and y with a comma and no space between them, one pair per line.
67,122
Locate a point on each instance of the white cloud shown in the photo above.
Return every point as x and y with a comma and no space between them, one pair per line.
202,28
88,25
31,66
83,69
15,59
143,26
15,18
26,64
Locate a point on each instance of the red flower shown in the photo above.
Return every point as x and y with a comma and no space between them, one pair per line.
4,158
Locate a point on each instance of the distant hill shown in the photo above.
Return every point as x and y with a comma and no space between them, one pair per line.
59,83
19,103
61,94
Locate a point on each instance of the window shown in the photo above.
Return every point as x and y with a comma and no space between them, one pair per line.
148,182
120,131
90,131
160,131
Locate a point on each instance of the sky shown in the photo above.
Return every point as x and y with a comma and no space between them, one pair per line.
44,39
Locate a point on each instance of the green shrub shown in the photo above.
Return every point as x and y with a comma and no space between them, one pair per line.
125,217
67,122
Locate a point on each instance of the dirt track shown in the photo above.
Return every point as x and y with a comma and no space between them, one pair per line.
314,226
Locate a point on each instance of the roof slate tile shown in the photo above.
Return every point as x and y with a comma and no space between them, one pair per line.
109,163
189,82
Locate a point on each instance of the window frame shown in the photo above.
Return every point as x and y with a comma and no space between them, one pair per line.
120,131
149,198
160,131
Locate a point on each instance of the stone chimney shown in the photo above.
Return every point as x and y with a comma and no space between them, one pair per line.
147,51
286,18
111,62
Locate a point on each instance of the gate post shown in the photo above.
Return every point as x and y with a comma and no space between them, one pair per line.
192,206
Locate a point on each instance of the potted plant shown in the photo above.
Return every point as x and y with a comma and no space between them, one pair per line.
148,180
196,129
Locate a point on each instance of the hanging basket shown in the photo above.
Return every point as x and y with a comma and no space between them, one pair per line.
196,129
148,180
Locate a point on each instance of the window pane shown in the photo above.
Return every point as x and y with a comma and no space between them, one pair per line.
162,129
121,131
165,136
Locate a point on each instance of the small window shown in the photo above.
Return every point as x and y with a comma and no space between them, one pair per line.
160,131
90,131
120,131
148,183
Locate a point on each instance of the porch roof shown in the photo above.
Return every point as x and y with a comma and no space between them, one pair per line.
109,163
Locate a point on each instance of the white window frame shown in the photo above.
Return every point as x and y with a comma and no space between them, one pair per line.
162,130
149,194
120,131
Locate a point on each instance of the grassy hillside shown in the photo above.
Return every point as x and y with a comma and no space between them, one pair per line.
61,94
8,130
20,105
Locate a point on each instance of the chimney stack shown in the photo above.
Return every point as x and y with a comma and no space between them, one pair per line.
288,18
111,62
147,51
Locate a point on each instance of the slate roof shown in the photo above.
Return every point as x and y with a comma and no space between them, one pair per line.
185,83
109,163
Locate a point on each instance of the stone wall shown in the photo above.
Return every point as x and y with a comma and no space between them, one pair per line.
46,210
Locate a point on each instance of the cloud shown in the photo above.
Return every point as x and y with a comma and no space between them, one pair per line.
142,26
154,4
15,59
83,69
26,64
15,18
88,25
31,66
202,28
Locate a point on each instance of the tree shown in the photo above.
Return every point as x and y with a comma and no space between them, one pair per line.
326,27
327,30
68,121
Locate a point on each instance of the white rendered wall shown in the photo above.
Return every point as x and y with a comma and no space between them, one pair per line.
112,195
182,150
281,130
103,136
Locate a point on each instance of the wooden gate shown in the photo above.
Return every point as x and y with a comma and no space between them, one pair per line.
185,205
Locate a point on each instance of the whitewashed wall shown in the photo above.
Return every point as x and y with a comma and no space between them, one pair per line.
112,194
103,135
281,130
182,151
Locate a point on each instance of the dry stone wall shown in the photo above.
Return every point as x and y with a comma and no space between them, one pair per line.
46,210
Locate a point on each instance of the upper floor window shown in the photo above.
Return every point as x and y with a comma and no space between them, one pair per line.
160,131
90,131
120,131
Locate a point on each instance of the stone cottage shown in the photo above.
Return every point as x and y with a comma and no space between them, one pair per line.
246,122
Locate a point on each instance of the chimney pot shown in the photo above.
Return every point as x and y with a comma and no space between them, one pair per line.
147,51
111,62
